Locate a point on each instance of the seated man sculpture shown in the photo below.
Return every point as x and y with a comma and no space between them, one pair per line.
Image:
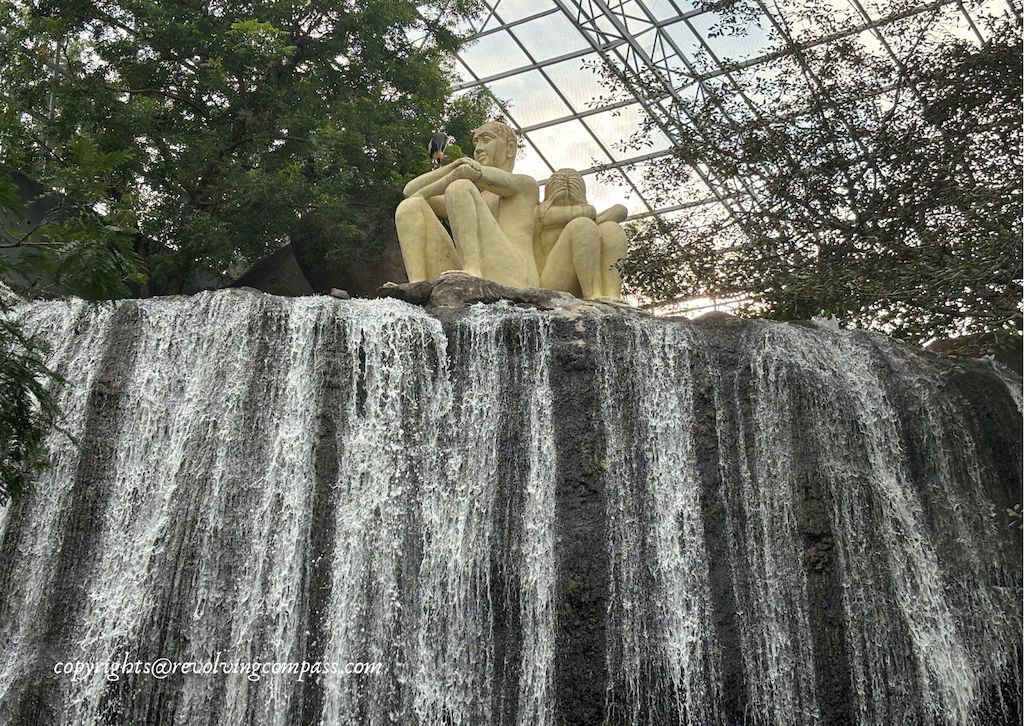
575,247
490,211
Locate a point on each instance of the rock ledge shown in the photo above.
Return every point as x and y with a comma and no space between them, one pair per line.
456,290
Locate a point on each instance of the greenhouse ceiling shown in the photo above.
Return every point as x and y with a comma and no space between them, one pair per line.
547,63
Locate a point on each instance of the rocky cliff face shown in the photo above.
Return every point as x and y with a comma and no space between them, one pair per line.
528,517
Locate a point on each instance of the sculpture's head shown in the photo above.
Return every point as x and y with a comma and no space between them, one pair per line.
565,187
495,144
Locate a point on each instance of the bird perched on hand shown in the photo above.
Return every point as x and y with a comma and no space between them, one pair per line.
438,143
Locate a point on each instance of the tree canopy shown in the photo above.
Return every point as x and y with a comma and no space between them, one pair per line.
875,178
195,137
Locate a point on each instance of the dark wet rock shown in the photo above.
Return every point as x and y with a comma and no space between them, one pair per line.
457,290
1003,348
277,274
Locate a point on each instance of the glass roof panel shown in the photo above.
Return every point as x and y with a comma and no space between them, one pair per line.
953,23
636,174
729,47
614,128
634,17
462,71
658,141
578,79
569,145
877,8
605,190
530,98
550,36
493,54
833,17
529,161
603,25
647,38
512,10
993,9
665,9
761,84
689,45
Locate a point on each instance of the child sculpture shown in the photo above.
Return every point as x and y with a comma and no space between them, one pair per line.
576,248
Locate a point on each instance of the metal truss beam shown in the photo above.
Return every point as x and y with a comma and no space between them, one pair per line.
722,67
631,42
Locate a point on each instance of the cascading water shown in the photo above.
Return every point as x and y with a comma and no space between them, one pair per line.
527,518
808,514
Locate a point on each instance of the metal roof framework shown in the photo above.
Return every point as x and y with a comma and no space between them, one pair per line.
541,60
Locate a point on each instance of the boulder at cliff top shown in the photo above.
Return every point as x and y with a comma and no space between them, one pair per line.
456,290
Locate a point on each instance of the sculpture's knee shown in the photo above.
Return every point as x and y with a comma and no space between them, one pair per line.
613,240
411,209
583,225
461,187
582,233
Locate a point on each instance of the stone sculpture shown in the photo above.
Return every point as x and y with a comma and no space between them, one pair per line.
575,247
499,229
490,211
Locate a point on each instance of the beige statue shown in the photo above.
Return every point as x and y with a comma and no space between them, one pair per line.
490,210
499,231
575,247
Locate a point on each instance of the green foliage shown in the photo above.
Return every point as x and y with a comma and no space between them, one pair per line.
887,184
212,133
73,246
69,245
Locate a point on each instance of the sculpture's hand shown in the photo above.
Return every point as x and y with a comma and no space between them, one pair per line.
463,169
425,185
469,169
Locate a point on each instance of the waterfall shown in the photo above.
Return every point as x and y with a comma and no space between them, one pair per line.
843,480
525,518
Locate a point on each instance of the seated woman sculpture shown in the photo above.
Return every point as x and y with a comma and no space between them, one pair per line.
576,248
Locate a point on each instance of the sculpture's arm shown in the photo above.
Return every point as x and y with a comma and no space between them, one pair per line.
436,189
559,216
616,213
503,183
431,177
